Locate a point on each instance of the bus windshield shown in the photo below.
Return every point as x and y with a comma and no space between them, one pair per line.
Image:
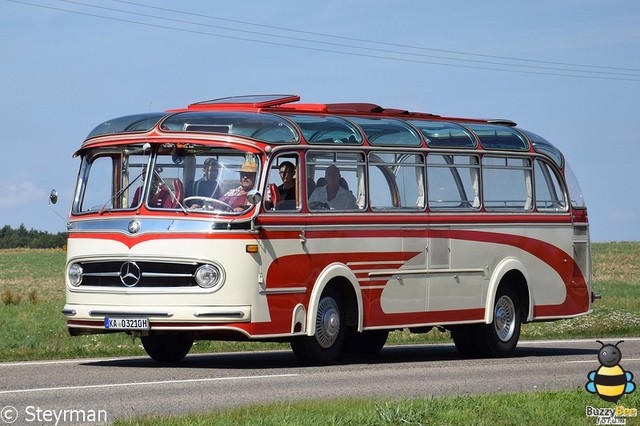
175,177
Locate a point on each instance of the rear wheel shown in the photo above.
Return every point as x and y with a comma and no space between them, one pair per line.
464,337
496,339
325,345
167,347
365,343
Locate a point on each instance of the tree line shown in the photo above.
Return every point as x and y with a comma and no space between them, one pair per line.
23,238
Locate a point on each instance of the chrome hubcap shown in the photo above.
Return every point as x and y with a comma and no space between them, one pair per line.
504,318
327,322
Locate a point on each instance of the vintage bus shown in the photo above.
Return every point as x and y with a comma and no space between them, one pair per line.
324,225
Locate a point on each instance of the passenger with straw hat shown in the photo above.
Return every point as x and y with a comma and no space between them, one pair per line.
237,197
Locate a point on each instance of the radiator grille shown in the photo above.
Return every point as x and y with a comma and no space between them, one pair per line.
150,274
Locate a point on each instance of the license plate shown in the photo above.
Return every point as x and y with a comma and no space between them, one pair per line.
126,323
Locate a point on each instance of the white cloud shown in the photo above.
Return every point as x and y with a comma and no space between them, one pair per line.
20,194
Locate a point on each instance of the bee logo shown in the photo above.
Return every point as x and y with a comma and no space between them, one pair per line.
610,381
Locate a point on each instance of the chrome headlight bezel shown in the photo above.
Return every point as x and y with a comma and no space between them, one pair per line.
209,276
75,274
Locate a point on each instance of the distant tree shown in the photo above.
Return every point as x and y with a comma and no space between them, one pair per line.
23,238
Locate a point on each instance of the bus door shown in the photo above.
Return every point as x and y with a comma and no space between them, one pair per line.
453,284
405,281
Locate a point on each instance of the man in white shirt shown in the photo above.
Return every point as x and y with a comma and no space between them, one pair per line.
332,195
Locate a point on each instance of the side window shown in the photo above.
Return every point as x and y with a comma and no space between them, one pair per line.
549,194
507,183
283,190
396,180
453,182
338,178
96,193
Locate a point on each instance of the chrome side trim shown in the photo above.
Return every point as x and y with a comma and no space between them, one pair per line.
399,272
285,290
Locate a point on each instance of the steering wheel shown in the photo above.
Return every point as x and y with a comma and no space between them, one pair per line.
319,205
210,203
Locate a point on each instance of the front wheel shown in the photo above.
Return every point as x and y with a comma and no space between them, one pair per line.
325,345
501,336
167,347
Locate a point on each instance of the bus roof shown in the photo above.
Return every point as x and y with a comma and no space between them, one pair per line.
278,119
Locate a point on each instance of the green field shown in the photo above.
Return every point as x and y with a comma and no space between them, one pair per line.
31,327
535,409
32,295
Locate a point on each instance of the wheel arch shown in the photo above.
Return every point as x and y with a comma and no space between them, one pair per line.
338,276
510,272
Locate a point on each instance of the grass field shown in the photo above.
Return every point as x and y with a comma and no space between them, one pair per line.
535,409
31,327
32,295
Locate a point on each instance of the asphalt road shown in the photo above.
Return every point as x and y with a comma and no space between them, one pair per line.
123,387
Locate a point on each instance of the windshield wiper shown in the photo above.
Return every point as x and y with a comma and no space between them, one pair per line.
173,194
117,194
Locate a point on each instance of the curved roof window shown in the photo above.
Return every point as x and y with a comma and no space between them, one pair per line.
387,131
267,128
127,124
325,129
443,134
543,146
494,136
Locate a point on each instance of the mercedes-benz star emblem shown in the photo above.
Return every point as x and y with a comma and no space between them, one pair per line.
134,226
130,274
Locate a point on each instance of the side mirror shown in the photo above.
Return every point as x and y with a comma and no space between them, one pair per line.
53,197
254,197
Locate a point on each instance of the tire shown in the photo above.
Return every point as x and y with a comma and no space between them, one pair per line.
365,343
325,345
167,347
500,338
464,337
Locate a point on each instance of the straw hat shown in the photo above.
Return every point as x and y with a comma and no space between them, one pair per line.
249,167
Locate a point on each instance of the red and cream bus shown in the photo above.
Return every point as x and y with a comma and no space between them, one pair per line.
325,225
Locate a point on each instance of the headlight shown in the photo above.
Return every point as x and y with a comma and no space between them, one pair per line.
75,274
208,276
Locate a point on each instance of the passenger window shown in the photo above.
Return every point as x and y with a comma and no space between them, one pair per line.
507,183
453,182
339,180
283,191
549,194
396,181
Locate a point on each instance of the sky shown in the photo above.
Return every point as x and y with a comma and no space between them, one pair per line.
567,70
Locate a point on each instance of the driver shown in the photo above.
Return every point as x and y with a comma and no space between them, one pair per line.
208,185
333,194
237,197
